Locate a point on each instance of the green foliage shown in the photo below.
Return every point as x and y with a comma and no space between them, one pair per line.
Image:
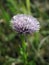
16,49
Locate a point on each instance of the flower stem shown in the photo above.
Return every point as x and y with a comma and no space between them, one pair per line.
23,50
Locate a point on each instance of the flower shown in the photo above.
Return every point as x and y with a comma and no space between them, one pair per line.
23,23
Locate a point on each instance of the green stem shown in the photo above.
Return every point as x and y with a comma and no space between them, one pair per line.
23,50
28,6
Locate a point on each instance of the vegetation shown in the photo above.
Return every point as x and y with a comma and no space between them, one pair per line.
13,48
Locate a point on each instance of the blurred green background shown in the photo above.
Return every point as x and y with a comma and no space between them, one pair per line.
38,52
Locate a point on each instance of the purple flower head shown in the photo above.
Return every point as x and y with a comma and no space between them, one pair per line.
23,23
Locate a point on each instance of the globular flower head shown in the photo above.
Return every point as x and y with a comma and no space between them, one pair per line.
23,23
